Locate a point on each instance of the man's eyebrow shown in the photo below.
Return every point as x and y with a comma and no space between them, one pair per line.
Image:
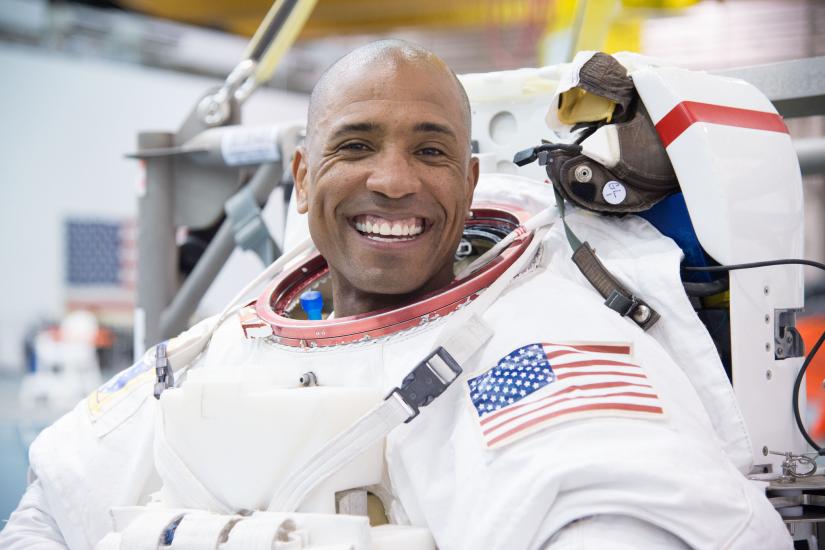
354,128
433,127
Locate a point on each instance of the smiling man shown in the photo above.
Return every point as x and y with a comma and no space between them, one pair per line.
386,175
564,427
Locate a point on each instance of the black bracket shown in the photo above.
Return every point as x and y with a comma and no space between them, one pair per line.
787,339
426,381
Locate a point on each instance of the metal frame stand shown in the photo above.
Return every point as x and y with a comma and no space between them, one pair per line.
797,89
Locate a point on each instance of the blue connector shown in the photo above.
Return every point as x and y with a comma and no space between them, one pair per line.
312,302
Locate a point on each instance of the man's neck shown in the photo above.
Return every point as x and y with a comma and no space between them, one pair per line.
348,300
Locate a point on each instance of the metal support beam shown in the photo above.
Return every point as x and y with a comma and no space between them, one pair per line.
796,88
811,153
157,263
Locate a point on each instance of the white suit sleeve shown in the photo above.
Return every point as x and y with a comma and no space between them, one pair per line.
31,526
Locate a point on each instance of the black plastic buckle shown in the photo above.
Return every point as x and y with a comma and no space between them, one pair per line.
165,377
542,153
525,157
424,383
621,303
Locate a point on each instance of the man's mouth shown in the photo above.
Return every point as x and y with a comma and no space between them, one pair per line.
384,230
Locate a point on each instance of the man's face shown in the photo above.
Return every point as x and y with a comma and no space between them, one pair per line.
387,179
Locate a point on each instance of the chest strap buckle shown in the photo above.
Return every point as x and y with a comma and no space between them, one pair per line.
427,381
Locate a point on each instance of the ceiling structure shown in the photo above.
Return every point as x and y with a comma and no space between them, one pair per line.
209,37
481,35
343,17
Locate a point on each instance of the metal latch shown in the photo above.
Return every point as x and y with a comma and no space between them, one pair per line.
628,305
427,381
796,466
165,377
787,340
622,304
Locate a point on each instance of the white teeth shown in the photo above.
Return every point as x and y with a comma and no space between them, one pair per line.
388,239
406,228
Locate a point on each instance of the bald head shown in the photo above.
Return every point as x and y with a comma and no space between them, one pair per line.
386,175
391,55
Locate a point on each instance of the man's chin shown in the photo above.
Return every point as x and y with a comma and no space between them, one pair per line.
381,287
388,287
399,284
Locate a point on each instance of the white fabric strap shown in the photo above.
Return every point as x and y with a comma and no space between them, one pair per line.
180,478
255,533
147,530
463,335
202,531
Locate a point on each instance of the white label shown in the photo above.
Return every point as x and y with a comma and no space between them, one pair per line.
243,146
614,192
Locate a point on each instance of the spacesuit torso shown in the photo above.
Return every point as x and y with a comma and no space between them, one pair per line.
606,419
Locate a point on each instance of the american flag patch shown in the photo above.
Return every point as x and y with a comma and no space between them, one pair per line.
540,385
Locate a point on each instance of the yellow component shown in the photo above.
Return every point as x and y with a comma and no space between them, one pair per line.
624,35
284,39
717,301
659,4
576,25
578,105
564,13
262,25
596,18
340,17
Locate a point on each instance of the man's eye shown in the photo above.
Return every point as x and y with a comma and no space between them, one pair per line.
354,146
430,151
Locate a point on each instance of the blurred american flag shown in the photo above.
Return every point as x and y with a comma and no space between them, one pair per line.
101,264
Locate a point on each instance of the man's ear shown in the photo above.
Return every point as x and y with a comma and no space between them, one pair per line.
299,174
472,178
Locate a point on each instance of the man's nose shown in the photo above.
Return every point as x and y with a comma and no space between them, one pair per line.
392,175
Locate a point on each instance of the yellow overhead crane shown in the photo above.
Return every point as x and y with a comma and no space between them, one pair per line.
609,25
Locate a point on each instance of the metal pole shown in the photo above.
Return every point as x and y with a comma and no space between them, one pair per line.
175,318
157,251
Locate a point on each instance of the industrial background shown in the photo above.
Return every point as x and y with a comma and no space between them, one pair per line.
81,79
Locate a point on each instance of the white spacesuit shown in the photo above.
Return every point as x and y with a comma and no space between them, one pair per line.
547,420
605,433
